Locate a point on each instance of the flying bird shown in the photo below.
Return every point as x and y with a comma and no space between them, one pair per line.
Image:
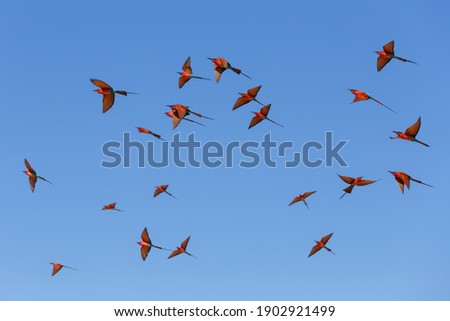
261,115
247,97
58,266
180,111
162,189
108,93
111,206
410,133
361,95
33,177
221,64
302,197
404,179
186,75
146,244
147,131
181,249
176,120
321,245
354,182
387,54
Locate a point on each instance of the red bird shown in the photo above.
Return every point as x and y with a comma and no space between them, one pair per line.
146,244
261,115
302,197
247,97
404,179
220,65
181,249
162,189
179,112
354,182
147,131
410,133
58,266
186,75
33,177
111,206
321,245
361,95
387,54
176,120
108,93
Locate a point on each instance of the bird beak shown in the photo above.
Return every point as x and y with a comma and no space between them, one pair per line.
391,172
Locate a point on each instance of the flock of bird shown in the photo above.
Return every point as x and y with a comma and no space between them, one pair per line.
180,112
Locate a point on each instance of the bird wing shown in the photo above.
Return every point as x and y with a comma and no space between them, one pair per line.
108,101
253,91
240,102
255,120
381,62
56,268
144,252
400,184
29,167
405,178
185,243
100,83
389,48
32,181
347,179
306,194
182,81
414,129
187,65
145,237
157,192
218,72
175,121
265,110
315,249
325,239
365,182
174,253
295,200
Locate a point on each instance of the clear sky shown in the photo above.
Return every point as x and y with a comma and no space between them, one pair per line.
249,243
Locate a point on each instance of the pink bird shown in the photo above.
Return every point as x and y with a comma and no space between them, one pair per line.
58,266
186,75
181,249
111,207
33,177
162,189
146,244
361,95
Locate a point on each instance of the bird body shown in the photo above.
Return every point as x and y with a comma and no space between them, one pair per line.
57,267
321,245
111,206
387,54
301,198
220,65
108,93
148,131
358,181
186,75
404,179
146,244
32,176
181,249
247,97
410,133
162,189
361,95
261,115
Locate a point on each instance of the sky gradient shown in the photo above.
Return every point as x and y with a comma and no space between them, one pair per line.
250,245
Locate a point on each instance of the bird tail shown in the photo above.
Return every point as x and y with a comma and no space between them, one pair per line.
422,143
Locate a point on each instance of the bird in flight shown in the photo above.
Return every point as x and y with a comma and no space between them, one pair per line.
180,111
321,245
361,95
111,206
176,121
108,93
58,266
186,75
410,133
221,64
146,244
181,249
147,131
354,182
162,189
302,197
385,55
33,177
404,179
261,115
247,97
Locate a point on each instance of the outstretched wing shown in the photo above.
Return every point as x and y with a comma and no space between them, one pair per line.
414,129
29,167
325,239
253,91
100,83
185,243
381,62
144,252
315,249
389,47
347,179
365,182
108,101
255,120
145,237
187,66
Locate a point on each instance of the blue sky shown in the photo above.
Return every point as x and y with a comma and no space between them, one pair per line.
250,245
